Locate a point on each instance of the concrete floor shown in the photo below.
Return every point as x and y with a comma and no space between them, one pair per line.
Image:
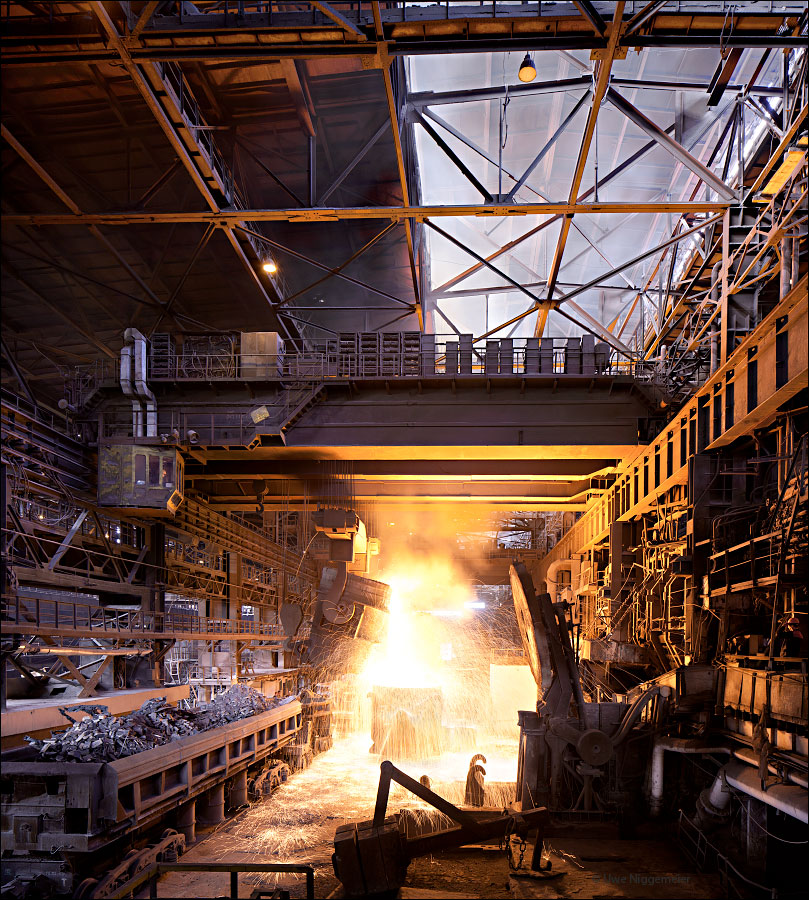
598,868
297,824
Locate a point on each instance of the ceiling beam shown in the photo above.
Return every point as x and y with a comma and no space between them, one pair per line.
299,95
627,265
642,17
518,240
201,244
143,20
604,67
76,211
424,99
544,151
357,159
586,8
454,158
328,10
668,143
332,271
57,310
227,218
395,124
592,323
18,373
338,269
202,183
435,29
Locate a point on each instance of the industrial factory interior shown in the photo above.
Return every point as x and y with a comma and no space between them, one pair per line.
404,449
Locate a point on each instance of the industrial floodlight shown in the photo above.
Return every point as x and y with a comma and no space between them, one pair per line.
528,71
270,267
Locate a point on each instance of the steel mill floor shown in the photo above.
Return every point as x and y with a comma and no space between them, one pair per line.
297,824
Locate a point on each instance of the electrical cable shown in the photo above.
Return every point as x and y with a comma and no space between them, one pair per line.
774,836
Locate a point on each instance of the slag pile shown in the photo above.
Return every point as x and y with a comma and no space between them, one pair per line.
102,737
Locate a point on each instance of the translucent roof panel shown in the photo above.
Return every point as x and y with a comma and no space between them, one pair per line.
498,138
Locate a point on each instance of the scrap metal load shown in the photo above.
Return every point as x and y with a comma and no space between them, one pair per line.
61,816
102,737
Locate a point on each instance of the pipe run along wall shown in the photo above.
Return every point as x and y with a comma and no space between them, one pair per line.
559,565
791,799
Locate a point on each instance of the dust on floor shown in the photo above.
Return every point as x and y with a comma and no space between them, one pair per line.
297,825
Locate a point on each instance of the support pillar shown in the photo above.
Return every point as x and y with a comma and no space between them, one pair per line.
238,790
786,267
234,605
756,839
5,496
532,784
155,576
700,479
187,822
724,348
211,808
234,610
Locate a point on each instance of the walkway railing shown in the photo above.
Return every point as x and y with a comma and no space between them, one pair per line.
44,615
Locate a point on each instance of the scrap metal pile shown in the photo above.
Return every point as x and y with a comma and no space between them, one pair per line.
101,737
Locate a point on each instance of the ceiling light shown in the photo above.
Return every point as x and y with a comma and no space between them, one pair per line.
528,71
270,267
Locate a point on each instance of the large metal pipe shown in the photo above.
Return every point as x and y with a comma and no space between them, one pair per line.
559,565
713,803
752,758
673,745
141,388
789,798
125,377
633,713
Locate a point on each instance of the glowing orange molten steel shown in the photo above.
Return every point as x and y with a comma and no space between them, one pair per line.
411,654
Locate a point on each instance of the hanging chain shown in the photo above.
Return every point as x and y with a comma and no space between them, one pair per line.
507,844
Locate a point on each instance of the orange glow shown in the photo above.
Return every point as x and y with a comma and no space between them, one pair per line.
410,655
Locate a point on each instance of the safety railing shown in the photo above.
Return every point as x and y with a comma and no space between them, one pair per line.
319,366
745,565
151,875
706,857
21,613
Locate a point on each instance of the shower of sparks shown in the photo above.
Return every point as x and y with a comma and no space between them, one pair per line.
435,655
298,822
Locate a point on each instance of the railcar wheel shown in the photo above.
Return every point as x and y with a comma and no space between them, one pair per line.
85,889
